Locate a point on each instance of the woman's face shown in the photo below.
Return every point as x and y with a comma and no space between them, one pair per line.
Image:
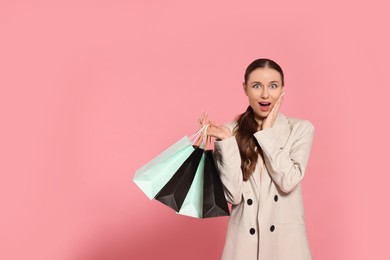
263,88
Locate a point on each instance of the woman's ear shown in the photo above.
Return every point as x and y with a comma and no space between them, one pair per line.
245,88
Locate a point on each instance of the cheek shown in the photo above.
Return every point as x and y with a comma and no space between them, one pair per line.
252,94
276,93
252,99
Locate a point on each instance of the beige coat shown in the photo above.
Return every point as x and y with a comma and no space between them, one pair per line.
267,218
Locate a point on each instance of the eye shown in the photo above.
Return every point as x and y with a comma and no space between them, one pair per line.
257,85
273,85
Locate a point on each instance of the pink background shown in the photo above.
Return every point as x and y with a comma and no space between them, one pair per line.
92,90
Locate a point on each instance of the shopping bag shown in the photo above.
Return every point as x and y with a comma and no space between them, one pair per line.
214,201
185,188
176,189
184,178
193,202
205,197
151,177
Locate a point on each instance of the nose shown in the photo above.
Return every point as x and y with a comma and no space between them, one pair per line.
264,93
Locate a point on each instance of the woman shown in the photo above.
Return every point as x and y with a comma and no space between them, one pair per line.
262,158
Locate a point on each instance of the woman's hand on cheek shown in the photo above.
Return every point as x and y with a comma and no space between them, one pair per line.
269,121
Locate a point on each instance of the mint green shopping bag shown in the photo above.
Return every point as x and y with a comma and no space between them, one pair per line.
193,202
152,177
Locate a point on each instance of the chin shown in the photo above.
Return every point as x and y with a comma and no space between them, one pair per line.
262,114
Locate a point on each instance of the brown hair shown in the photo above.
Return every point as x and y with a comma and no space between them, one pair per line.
247,125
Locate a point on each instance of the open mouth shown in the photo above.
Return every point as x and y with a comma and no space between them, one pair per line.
264,106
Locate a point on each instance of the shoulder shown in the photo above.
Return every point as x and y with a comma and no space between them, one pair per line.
294,121
304,125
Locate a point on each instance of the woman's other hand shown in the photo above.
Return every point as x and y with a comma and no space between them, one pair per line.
214,130
203,120
218,131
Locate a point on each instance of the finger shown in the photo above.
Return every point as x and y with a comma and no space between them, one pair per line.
279,101
276,108
273,112
277,104
209,131
282,96
213,123
200,120
204,119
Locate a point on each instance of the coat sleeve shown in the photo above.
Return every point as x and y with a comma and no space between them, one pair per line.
286,166
228,161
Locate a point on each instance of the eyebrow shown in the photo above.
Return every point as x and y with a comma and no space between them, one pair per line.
274,81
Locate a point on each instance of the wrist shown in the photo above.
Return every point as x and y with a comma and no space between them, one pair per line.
223,137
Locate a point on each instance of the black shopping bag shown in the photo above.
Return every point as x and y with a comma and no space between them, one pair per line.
175,190
214,201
